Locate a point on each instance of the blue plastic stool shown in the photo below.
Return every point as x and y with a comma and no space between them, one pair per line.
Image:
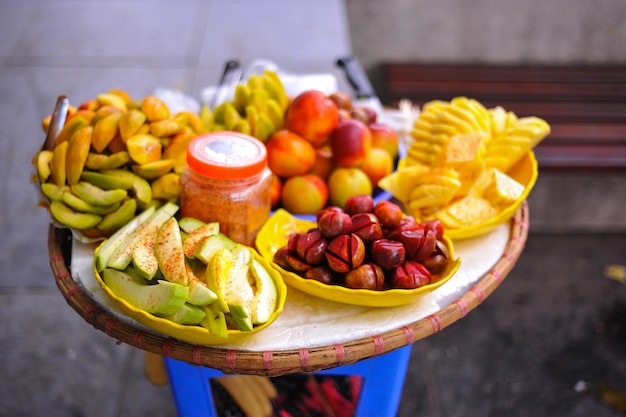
383,380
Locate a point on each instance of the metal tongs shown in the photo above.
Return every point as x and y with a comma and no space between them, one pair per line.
363,90
230,78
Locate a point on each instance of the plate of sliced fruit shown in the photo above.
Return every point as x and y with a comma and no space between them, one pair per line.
467,166
186,279
367,254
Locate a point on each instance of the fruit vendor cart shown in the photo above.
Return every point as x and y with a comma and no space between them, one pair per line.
378,341
317,331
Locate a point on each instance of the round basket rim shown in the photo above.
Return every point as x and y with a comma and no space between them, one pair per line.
280,362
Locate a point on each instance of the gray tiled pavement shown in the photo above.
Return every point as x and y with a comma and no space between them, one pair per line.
555,320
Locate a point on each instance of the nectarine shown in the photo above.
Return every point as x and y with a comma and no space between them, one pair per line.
312,115
276,190
350,143
377,165
305,194
288,154
344,183
384,137
324,163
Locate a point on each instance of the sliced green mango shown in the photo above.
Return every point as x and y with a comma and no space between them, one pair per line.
123,253
153,170
140,188
189,224
188,314
78,204
53,191
144,259
96,195
118,218
163,298
76,220
101,162
266,294
169,252
206,249
105,181
105,251
198,235
215,320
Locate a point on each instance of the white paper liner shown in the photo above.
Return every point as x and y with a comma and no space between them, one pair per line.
308,322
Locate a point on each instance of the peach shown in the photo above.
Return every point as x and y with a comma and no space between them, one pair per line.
344,183
384,137
312,115
350,143
276,190
342,100
324,163
344,115
288,154
377,165
364,113
304,194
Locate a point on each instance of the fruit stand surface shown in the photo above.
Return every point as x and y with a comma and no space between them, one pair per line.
311,333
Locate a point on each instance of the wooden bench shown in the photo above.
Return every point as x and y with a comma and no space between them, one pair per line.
584,105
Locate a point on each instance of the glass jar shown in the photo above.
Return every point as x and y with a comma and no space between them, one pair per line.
227,181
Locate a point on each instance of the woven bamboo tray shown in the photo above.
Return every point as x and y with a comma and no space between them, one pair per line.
275,363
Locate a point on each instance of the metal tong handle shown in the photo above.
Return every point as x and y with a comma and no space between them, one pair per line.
57,121
230,77
356,77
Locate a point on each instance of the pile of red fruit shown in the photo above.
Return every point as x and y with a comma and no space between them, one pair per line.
326,151
367,246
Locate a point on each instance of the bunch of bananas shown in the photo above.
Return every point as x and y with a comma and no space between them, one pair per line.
456,165
114,157
257,108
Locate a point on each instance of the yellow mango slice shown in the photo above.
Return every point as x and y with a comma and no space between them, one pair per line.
123,94
165,127
166,187
104,131
113,100
99,162
192,120
177,145
153,170
43,164
130,122
144,148
155,109
103,112
57,164
70,127
77,152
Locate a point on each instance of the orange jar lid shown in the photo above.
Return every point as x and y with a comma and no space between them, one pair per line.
226,155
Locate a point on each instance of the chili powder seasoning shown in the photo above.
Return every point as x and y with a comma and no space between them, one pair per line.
227,181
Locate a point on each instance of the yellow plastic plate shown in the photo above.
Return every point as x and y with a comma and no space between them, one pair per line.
275,234
196,334
525,172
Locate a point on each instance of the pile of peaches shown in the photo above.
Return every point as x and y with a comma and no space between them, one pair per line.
327,151
367,246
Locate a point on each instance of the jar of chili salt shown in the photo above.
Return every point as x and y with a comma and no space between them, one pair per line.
227,181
